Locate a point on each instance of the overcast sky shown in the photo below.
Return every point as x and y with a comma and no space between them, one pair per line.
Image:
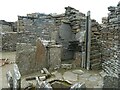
10,9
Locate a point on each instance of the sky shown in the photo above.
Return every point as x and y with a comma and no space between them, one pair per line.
10,9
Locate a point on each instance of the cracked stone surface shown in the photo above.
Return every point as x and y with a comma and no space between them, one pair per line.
70,76
57,75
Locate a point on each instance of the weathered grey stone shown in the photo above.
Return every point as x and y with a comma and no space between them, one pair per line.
79,72
93,78
9,40
103,74
58,84
7,26
16,78
70,76
78,86
57,75
31,59
43,85
78,60
86,75
24,59
54,56
9,79
110,49
111,82
66,66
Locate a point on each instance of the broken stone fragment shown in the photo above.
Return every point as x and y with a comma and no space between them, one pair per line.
79,72
78,86
4,61
68,75
43,85
9,79
111,8
66,66
16,77
46,72
61,85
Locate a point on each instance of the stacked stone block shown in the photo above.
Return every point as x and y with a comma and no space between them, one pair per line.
111,48
95,50
7,26
75,18
9,40
40,24
111,42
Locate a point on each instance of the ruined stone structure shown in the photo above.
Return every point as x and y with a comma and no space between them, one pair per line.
33,58
41,25
111,48
9,40
64,41
71,28
29,28
7,26
71,34
66,29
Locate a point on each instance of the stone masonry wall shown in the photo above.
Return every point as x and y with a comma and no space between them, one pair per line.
111,48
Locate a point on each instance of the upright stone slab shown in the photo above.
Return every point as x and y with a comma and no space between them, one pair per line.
25,58
29,58
40,55
54,56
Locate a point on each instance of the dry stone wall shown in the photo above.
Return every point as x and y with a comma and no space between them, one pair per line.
95,50
111,48
111,42
7,26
